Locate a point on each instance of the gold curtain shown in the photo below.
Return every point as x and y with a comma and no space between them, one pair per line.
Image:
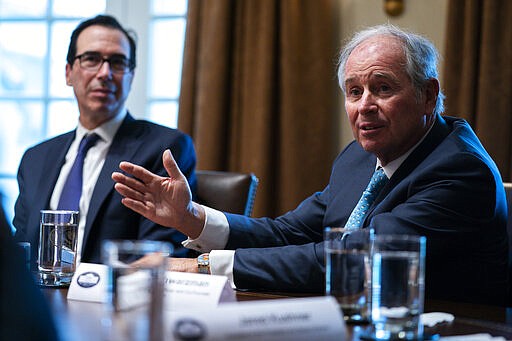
478,73
259,93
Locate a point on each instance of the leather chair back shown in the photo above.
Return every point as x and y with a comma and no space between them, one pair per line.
508,193
227,191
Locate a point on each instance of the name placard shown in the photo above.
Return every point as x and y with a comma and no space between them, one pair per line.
186,291
89,283
315,318
183,291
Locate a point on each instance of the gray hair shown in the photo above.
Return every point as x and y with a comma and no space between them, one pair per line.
420,54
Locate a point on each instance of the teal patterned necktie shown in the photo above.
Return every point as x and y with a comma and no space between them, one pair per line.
359,213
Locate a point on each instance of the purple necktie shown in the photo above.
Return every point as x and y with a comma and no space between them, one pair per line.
72,190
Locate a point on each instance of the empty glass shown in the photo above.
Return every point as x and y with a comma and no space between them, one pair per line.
136,289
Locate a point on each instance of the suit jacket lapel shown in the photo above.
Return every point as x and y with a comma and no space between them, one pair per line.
438,133
125,144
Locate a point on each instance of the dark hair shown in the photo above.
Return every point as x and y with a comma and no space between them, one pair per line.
106,21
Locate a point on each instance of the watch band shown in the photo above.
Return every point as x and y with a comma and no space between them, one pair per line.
203,263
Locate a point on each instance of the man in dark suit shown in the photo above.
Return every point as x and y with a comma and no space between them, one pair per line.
441,184
100,68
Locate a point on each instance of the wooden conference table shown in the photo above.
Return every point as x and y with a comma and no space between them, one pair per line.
77,320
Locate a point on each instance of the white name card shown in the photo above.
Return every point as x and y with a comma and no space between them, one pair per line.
89,283
133,290
183,291
315,318
186,291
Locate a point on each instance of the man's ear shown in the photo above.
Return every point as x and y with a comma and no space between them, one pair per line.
68,75
431,93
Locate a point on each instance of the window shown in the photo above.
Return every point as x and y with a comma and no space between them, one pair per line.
36,103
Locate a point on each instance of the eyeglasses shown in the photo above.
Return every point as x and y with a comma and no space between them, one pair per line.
93,61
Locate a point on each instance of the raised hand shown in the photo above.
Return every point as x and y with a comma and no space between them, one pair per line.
165,200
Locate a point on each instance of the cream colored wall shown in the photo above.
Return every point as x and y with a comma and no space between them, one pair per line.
426,17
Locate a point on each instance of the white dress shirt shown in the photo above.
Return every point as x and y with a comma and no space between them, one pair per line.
214,236
93,164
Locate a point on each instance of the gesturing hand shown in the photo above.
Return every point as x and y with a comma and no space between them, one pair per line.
165,200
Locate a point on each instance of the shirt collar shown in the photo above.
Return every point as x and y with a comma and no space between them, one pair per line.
392,166
106,131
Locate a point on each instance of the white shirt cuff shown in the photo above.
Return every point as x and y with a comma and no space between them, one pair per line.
221,264
215,233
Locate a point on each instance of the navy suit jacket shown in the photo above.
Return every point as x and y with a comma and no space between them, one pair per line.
137,141
448,189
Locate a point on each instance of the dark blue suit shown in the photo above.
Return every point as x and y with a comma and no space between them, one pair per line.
137,141
448,190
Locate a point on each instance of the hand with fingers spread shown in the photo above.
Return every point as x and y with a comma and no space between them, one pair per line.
165,200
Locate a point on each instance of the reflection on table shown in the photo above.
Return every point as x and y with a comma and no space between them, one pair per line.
78,320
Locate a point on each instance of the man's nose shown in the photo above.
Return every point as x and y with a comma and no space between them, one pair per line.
105,70
367,103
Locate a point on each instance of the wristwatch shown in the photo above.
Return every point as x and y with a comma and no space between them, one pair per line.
203,263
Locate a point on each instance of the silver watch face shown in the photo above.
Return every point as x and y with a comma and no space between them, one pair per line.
203,260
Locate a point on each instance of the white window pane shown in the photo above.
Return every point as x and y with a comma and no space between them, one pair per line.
25,8
24,38
22,55
20,127
62,117
78,8
166,46
60,35
169,7
164,113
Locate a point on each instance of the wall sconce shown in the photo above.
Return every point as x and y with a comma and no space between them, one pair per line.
394,8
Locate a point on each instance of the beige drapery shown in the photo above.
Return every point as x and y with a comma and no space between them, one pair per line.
259,93
478,73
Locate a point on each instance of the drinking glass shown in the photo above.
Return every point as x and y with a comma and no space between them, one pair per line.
57,247
135,289
398,284
25,247
347,271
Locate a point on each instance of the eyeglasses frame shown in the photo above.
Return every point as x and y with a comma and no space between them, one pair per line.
129,66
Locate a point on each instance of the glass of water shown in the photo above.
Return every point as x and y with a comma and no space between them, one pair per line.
398,285
347,271
58,235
